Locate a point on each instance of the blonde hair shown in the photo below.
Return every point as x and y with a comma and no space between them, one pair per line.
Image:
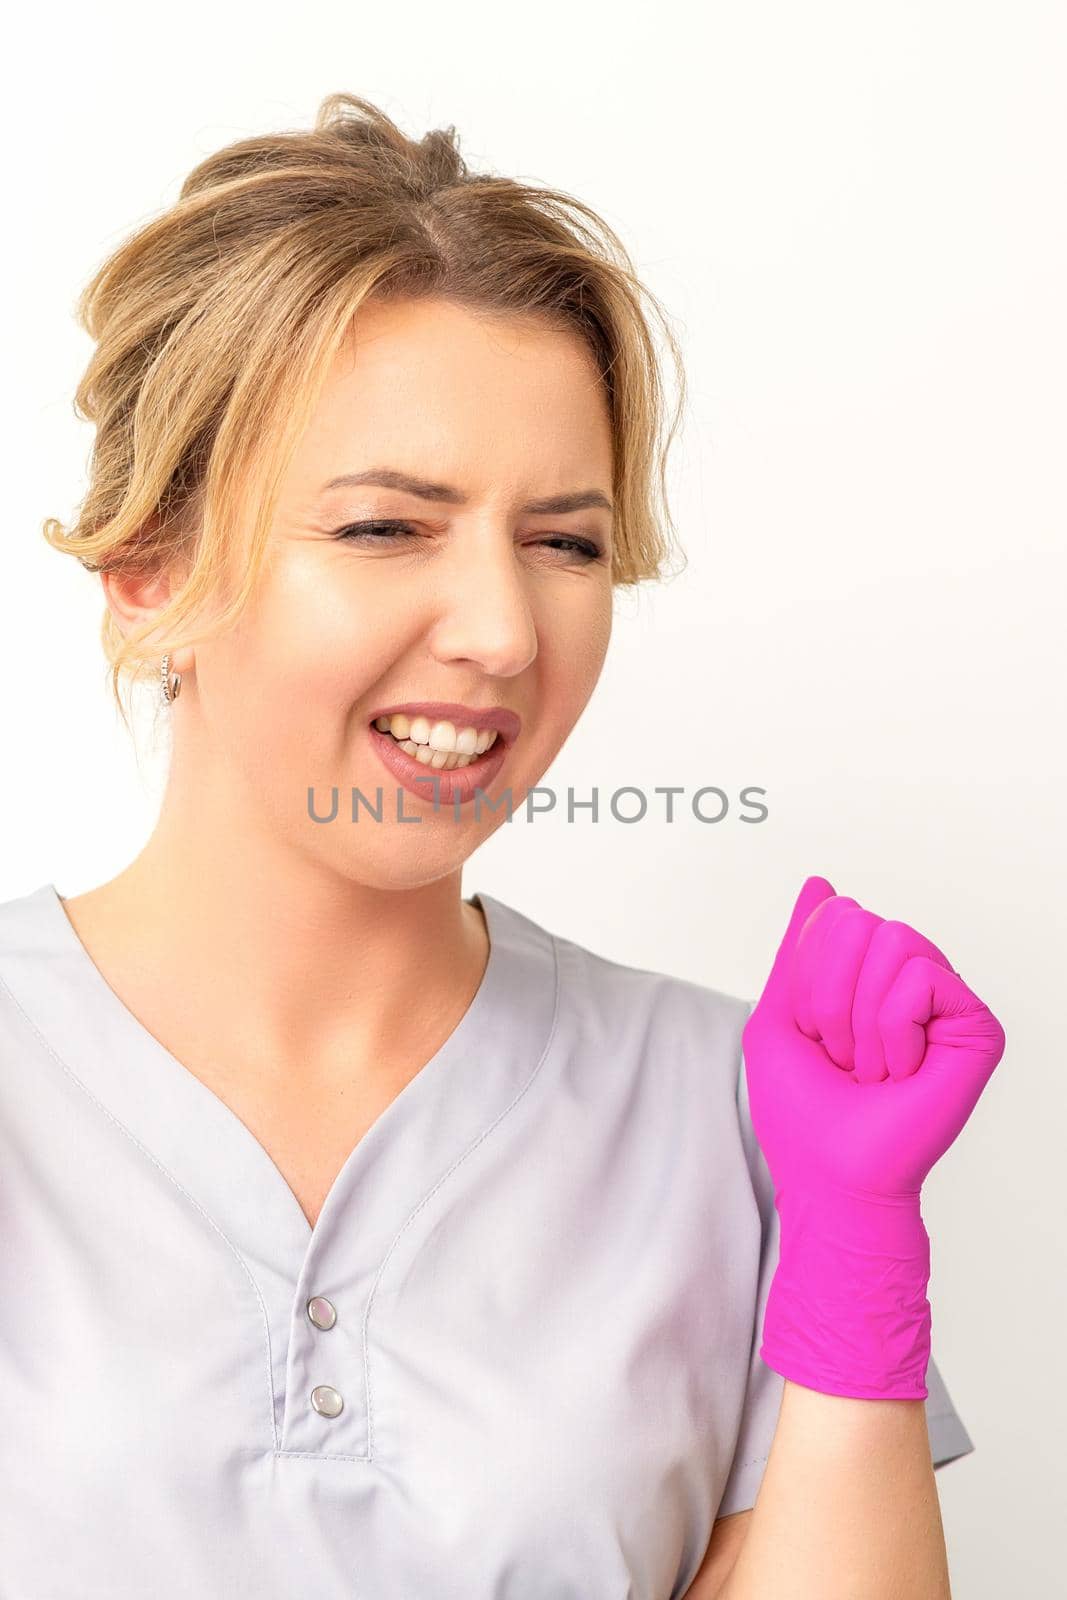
215,324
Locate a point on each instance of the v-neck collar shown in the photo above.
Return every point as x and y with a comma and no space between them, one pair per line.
201,1145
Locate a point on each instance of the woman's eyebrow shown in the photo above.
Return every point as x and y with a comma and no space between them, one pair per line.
389,478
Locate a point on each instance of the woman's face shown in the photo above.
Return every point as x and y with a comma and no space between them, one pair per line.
477,599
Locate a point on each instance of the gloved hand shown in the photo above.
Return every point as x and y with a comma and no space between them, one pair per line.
864,1057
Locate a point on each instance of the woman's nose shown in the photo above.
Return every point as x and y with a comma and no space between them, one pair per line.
486,615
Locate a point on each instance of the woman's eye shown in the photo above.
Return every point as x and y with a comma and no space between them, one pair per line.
584,547
376,531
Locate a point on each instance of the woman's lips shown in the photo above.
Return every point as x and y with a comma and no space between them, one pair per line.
449,788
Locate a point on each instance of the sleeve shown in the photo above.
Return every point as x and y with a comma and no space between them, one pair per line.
948,1437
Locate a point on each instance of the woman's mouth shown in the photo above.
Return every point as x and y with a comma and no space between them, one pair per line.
438,758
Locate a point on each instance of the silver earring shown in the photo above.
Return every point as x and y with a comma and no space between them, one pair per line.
169,684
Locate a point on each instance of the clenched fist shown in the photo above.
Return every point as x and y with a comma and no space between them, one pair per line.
864,1057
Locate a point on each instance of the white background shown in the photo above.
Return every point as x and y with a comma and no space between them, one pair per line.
855,215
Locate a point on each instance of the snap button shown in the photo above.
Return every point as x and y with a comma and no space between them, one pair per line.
327,1401
321,1312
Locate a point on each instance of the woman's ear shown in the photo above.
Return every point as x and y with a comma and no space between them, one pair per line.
134,599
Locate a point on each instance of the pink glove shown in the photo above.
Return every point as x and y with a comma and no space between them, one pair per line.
864,1057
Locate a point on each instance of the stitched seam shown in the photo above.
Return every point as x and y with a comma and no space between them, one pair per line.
313,1455
167,1174
443,1180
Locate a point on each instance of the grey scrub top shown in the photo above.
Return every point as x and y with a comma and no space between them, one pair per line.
516,1358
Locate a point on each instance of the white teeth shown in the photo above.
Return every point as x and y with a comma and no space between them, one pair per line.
451,761
426,741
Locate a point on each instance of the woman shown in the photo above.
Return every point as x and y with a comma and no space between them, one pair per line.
361,1239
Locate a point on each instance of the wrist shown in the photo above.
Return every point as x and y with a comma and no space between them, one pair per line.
847,1311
